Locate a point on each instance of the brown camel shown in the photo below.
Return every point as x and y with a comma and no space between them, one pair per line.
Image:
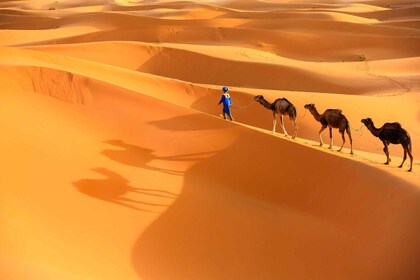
280,106
391,133
333,118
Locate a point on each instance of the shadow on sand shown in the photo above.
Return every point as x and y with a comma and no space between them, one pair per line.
115,188
141,157
134,155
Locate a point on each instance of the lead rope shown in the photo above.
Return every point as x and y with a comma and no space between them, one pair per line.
243,107
359,130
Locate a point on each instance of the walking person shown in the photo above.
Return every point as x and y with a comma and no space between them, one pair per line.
226,101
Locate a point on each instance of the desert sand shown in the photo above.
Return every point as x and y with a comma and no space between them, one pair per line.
115,163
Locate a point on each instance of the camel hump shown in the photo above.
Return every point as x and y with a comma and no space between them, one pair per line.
285,99
394,125
282,99
337,111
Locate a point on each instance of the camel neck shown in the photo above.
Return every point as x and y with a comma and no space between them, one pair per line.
315,113
373,129
265,103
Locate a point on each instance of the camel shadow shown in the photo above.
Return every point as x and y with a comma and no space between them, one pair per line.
141,157
136,156
115,188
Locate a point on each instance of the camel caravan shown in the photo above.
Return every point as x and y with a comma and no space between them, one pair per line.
389,133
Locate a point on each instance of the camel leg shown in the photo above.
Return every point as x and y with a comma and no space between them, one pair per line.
407,151
331,139
386,153
282,125
404,158
411,160
344,141
320,137
351,140
274,123
296,129
406,143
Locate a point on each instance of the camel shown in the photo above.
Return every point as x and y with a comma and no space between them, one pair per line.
391,133
280,106
332,118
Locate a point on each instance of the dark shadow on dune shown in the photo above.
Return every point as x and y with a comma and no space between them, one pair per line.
253,220
193,122
115,188
141,157
133,155
219,71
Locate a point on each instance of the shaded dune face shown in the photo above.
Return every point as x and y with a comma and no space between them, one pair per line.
62,85
117,165
302,215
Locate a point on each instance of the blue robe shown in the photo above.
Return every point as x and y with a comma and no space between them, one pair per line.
227,101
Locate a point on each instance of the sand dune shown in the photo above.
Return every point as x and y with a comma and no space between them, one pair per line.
116,164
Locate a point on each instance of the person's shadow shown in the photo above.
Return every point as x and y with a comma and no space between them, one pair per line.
114,188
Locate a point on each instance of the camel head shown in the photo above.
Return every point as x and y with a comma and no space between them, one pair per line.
309,106
258,98
367,121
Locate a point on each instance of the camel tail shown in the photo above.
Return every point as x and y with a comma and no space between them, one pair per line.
348,129
293,113
408,139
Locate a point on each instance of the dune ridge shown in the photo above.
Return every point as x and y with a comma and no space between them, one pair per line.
117,165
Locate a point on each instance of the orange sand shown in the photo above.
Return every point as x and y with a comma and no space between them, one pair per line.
116,165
